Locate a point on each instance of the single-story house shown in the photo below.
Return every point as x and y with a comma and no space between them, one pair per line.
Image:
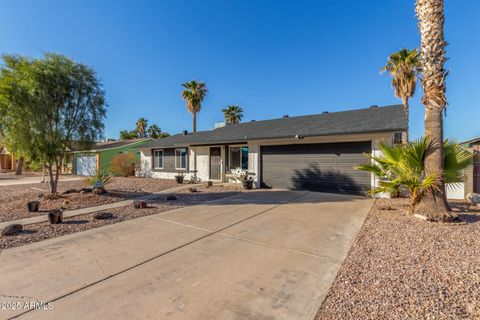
86,162
7,161
313,152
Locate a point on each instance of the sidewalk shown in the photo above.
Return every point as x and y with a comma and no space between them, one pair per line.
12,180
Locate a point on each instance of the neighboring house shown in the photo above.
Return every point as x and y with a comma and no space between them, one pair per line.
7,161
472,173
313,152
86,162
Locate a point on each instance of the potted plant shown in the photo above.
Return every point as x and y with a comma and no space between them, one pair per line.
33,206
179,177
55,216
245,177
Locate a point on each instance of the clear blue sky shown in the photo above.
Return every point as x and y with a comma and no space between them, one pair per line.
271,57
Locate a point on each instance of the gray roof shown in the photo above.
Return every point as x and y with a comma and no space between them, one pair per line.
373,119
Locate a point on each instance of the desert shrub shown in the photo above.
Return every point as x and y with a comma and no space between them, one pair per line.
402,167
123,164
102,175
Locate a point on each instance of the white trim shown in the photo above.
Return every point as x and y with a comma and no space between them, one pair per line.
186,159
154,161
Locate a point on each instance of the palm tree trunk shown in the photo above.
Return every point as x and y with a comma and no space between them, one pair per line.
430,14
194,125
405,108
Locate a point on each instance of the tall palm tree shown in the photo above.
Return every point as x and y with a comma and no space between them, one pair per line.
193,95
404,67
233,114
431,20
142,125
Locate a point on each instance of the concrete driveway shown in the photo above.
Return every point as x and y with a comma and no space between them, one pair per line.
258,255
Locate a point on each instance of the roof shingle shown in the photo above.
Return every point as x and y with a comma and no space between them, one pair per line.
373,119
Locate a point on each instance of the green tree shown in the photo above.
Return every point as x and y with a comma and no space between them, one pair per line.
125,134
431,24
155,132
47,104
402,167
141,127
233,114
194,94
404,68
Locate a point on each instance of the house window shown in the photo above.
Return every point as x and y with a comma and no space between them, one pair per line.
181,158
239,158
158,159
397,137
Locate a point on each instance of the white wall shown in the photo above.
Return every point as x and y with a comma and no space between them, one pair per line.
455,190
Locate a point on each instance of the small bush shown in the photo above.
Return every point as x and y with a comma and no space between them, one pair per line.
104,176
123,164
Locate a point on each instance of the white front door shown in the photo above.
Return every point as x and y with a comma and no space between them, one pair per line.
86,165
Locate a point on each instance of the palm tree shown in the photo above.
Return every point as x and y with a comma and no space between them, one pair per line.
404,67
193,95
233,114
141,129
431,20
402,167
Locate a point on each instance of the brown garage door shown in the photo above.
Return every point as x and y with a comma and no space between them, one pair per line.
324,167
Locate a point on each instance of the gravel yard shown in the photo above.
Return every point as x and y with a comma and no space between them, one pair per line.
14,199
402,268
41,231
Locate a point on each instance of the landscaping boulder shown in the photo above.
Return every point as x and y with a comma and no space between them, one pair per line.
12,229
99,191
55,216
86,190
473,198
138,204
33,206
171,197
103,216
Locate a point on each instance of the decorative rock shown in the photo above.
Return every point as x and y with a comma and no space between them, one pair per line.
138,204
55,216
171,197
99,191
473,197
103,216
12,229
33,206
193,189
86,190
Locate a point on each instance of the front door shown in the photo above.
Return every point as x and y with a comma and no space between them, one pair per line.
215,163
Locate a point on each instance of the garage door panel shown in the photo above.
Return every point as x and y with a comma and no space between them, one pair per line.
319,167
